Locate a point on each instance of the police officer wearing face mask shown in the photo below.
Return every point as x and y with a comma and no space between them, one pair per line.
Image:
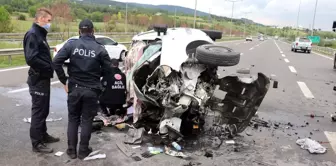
88,59
37,55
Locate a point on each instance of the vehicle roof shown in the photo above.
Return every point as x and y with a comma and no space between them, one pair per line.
152,35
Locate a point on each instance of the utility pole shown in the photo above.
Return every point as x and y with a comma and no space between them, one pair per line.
233,2
297,21
312,33
211,18
245,13
175,18
195,14
126,18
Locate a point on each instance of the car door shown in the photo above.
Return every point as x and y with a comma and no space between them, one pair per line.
111,47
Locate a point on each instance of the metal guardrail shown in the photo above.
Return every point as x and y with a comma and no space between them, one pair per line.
324,50
19,51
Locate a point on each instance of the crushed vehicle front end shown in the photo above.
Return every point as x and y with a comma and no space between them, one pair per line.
174,83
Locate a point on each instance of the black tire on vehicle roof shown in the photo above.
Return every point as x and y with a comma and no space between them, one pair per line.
216,55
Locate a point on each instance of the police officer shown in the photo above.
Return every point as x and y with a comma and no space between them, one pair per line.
87,60
114,95
37,55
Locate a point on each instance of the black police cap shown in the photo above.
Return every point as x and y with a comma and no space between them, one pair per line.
86,24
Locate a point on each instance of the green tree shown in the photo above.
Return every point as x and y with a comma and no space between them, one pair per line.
9,8
32,11
81,13
97,16
119,15
5,21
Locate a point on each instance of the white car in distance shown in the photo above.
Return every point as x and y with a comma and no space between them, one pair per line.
114,49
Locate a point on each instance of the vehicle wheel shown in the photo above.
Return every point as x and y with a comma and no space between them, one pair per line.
122,56
308,52
215,55
295,50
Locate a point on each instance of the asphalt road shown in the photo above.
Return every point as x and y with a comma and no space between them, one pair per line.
305,87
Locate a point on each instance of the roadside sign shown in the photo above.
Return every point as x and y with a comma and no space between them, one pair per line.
314,39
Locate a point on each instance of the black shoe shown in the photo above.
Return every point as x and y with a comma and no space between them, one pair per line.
83,154
50,139
71,154
42,148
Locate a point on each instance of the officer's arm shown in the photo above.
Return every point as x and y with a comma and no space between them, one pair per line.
31,52
105,62
59,60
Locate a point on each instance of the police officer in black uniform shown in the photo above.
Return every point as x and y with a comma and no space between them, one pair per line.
37,55
88,60
114,95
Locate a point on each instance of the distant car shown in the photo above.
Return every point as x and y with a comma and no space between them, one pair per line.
302,44
249,38
114,49
261,38
276,37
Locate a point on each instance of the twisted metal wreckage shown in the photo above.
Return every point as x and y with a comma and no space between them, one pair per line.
173,82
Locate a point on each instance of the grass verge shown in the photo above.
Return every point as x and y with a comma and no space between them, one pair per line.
17,60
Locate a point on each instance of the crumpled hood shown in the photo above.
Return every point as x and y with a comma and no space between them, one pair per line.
174,45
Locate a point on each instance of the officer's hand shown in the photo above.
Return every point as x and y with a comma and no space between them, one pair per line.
66,88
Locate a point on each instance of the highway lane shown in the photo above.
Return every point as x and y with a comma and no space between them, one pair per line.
285,104
289,103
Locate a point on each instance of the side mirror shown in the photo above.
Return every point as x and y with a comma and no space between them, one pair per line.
116,43
334,26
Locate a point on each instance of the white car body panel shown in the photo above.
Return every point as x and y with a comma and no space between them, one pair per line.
174,44
114,51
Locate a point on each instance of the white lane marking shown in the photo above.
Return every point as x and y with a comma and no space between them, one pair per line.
281,52
323,55
286,60
292,69
331,136
25,89
305,90
15,68
283,55
277,46
258,45
251,48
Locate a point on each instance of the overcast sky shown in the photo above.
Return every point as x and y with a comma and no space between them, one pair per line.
270,12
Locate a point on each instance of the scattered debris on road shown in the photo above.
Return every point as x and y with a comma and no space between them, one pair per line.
173,153
134,136
59,154
313,116
333,117
94,157
311,145
230,142
28,120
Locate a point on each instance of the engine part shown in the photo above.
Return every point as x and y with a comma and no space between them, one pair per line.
173,123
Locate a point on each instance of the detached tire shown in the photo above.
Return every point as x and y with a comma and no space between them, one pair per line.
215,55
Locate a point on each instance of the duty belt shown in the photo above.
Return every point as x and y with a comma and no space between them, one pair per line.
83,87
